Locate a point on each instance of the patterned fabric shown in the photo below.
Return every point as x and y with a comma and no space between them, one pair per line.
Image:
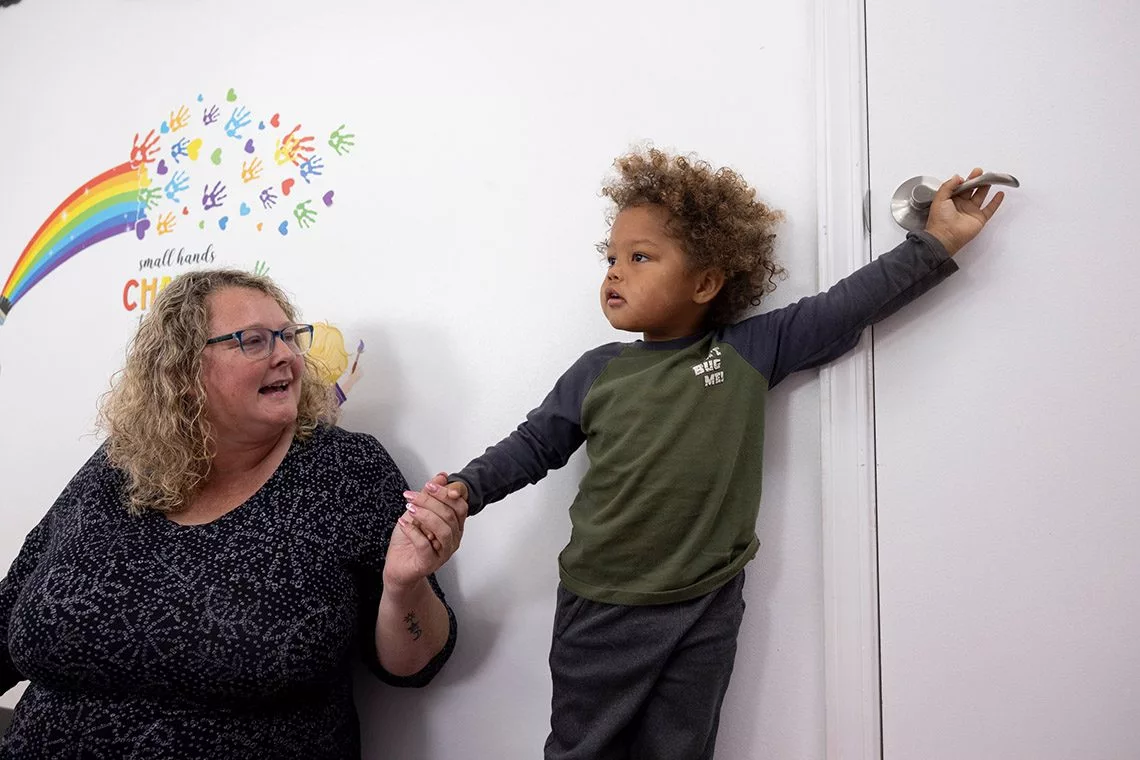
143,638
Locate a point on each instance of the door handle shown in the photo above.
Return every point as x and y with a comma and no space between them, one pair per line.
910,205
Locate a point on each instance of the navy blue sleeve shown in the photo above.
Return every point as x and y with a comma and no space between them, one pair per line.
543,442
823,327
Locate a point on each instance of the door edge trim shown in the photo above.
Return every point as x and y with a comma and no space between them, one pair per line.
853,707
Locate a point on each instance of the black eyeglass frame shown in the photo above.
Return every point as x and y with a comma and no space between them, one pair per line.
273,336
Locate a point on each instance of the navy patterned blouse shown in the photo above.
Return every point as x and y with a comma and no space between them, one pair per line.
143,638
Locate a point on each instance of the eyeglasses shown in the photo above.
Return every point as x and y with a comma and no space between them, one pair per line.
259,342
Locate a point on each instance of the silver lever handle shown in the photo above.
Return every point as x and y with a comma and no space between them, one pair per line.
910,205
922,195
988,178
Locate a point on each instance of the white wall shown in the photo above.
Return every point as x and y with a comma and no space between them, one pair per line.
459,248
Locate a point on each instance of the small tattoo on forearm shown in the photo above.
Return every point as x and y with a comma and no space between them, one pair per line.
413,625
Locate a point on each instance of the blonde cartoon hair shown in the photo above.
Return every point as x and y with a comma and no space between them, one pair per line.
154,415
330,359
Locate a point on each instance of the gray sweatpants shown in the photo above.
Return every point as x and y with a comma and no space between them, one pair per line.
641,683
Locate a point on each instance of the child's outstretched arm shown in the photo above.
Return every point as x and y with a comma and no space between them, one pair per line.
955,221
551,433
821,328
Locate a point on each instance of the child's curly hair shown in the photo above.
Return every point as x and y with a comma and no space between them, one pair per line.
715,216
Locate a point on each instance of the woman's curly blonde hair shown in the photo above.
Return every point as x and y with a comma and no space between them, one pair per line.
715,216
154,415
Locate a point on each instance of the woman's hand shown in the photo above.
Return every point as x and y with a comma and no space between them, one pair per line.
426,535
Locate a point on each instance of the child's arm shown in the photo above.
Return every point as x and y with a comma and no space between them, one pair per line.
543,442
823,327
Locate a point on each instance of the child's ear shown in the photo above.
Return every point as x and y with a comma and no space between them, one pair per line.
709,284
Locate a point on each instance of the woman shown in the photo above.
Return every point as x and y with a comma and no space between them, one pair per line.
203,584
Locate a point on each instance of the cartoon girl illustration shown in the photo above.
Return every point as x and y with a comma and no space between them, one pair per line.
330,359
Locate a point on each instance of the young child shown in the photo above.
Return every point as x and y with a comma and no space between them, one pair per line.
650,600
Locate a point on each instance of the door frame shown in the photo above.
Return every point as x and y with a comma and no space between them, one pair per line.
853,706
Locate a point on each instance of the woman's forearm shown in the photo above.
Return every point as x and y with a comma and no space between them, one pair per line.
412,627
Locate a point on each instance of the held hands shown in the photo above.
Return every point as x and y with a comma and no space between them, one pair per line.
427,534
956,221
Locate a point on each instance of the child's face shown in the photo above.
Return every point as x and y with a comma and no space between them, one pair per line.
649,286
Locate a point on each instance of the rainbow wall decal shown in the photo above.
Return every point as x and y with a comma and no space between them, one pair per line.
101,208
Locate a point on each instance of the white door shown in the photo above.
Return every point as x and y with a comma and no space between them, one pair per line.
1007,401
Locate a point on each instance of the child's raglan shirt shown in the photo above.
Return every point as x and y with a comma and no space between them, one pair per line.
674,433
